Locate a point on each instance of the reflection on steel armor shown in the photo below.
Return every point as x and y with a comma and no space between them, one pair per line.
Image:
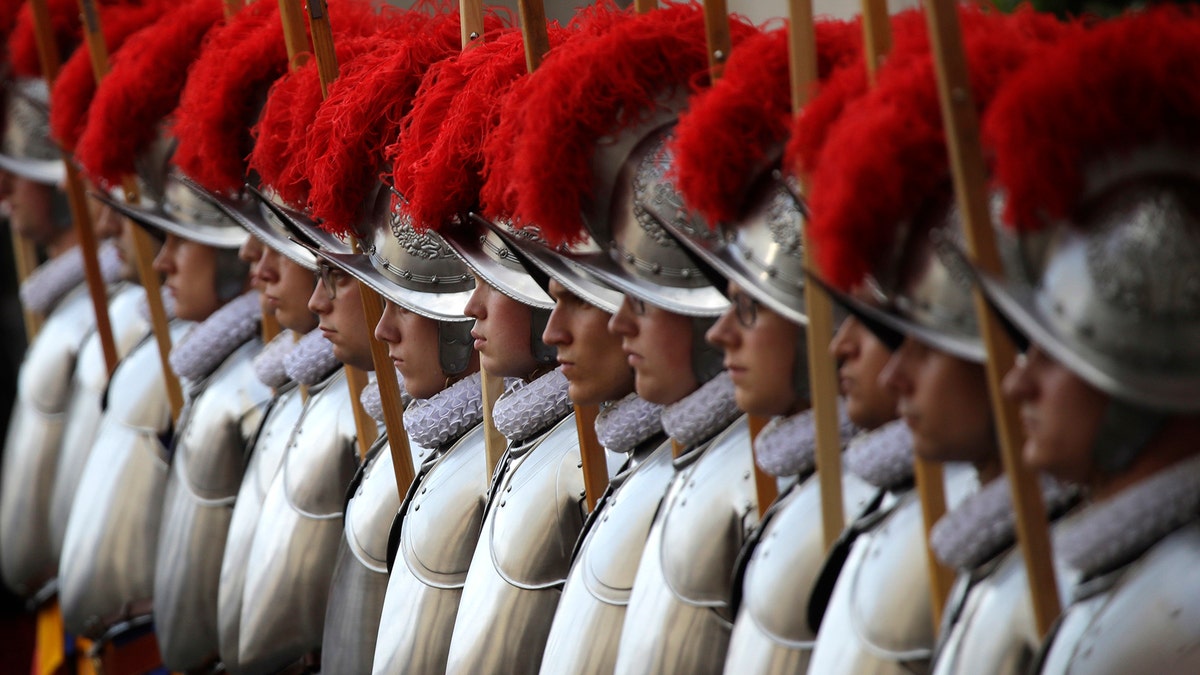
523,557
107,567
86,408
678,619
35,433
206,471
1140,618
269,447
879,618
597,593
295,543
439,527
771,633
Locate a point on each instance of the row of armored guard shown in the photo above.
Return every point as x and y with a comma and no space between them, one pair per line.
514,222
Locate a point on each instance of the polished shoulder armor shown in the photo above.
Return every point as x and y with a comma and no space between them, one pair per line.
87,402
436,533
879,618
296,540
597,592
106,571
678,617
522,558
772,633
35,432
269,445
360,576
1142,618
206,472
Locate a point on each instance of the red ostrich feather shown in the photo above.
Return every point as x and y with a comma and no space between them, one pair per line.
594,89
22,43
860,200
1100,94
724,140
75,85
142,88
8,19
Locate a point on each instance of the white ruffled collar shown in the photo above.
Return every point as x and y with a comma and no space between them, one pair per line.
787,446
312,360
1109,534
432,422
702,413
984,524
372,402
882,457
53,279
268,365
210,342
623,425
528,408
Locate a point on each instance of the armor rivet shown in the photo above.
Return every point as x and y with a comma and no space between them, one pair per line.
474,35
683,502
746,476
433,279
423,490
771,271
718,56
503,503
406,274
417,507
656,268
579,465
508,489
685,273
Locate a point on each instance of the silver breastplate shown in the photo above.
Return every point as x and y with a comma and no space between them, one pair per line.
206,472
1142,618
678,618
774,636
361,576
438,531
522,559
86,406
35,432
295,543
879,618
597,592
107,565
269,447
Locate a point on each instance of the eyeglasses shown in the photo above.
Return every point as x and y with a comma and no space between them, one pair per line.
330,278
745,308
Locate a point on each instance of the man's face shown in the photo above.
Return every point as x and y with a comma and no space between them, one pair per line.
31,210
760,348
658,345
190,272
861,357
338,307
590,356
413,345
501,332
286,290
944,400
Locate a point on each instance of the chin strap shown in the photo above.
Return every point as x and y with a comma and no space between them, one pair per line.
454,346
1125,429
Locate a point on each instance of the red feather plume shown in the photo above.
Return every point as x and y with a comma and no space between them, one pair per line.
498,197
447,178
75,85
8,19
142,88
1102,93
595,89
22,43
724,139
363,117
885,159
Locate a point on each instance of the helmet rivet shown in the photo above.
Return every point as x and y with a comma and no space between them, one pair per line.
656,268
771,271
433,279
718,56
685,273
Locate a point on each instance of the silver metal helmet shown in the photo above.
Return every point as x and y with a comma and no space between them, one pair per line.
1118,303
184,214
419,272
248,211
25,148
925,293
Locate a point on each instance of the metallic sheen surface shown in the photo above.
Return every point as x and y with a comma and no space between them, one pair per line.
679,617
265,457
360,577
295,544
591,612
771,633
44,392
522,558
879,618
1141,618
439,527
107,566
221,416
85,410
